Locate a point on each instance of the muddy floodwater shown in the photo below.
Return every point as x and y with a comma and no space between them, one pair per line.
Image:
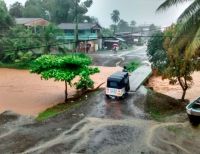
25,93
175,91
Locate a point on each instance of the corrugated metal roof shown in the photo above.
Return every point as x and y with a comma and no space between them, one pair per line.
81,26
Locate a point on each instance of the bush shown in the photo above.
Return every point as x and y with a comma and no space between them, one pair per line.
132,66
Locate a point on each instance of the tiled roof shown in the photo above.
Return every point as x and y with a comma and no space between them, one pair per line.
22,21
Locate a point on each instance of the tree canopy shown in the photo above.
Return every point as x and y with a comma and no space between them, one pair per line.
65,68
156,52
5,18
189,24
172,60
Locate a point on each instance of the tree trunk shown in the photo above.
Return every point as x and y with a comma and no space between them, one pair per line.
183,95
184,87
66,94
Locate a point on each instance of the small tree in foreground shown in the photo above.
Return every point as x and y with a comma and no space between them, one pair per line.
65,68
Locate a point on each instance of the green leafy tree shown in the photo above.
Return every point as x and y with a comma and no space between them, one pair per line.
16,10
132,25
123,26
34,9
18,40
65,10
65,68
107,32
189,23
115,18
156,52
5,19
178,65
50,38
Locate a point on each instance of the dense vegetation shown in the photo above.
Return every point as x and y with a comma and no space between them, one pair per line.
53,10
175,53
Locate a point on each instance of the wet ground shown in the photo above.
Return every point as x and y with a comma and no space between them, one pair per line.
99,126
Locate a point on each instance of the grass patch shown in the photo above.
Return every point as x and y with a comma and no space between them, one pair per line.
55,110
73,103
160,106
132,66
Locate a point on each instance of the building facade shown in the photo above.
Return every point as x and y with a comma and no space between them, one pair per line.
88,36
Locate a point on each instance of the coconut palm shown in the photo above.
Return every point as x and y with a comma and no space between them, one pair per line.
115,18
189,22
132,25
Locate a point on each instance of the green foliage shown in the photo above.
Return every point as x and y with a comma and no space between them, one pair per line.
16,10
84,83
107,32
123,46
115,16
64,10
132,66
123,26
34,9
17,42
55,110
171,59
50,39
156,52
189,25
65,68
5,19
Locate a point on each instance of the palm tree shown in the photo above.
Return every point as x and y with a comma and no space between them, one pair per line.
189,22
115,18
132,25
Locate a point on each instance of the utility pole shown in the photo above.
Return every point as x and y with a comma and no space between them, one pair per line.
76,28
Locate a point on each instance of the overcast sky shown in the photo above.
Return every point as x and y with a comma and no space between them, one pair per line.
142,11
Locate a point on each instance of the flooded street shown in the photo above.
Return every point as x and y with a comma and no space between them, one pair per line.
99,126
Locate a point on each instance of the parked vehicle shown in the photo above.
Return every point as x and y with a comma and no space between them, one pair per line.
193,111
118,85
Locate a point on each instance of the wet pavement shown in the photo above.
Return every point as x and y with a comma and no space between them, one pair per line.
98,126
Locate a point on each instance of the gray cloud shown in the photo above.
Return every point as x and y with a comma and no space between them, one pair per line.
142,11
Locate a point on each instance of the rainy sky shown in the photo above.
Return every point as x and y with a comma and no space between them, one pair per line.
142,11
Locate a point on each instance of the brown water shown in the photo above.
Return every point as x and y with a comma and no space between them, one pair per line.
175,91
25,93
